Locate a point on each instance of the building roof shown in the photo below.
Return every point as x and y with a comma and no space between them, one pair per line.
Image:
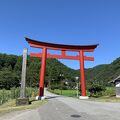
114,80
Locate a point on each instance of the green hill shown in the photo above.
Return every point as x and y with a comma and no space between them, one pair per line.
11,65
104,73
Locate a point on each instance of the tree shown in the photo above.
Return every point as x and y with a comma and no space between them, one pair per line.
95,87
8,79
33,72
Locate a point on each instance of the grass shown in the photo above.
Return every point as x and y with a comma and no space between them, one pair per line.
105,99
11,106
68,93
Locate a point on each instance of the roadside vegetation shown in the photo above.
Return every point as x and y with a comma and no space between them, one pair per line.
108,95
110,91
13,93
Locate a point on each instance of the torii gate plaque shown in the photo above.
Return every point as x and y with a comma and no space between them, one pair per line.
63,48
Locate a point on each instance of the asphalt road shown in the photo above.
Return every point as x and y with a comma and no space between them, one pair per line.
65,108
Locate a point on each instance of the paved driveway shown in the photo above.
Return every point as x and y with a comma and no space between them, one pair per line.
65,108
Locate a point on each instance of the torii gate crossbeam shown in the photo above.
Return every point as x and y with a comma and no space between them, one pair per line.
63,48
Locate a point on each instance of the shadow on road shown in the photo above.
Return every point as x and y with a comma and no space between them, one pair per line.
51,97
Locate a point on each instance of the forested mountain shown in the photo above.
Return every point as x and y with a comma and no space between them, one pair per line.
11,66
104,73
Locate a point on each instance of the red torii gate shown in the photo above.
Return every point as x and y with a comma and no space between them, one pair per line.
76,48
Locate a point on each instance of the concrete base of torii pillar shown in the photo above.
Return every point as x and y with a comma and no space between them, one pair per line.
83,97
40,97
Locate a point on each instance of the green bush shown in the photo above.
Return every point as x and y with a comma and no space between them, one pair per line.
110,91
31,92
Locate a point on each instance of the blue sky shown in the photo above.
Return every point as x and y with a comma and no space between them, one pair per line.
62,21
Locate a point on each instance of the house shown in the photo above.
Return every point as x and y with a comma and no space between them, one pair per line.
116,82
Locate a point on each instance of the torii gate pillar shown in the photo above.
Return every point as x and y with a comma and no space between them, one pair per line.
42,74
82,74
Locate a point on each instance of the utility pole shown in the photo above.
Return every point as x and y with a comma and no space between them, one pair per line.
77,86
61,78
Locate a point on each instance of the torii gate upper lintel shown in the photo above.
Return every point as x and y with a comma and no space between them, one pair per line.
63,48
